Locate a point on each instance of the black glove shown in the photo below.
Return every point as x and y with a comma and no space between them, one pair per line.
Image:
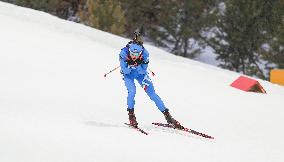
137,62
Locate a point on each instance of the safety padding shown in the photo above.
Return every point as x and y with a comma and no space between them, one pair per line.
248,85
277,76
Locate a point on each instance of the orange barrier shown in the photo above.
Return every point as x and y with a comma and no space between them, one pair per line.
277,76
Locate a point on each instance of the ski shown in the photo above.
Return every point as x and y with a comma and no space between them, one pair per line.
138,129
185,129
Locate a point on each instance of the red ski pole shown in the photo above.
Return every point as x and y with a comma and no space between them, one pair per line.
151,72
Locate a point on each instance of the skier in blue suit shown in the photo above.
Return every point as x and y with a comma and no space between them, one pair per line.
134,59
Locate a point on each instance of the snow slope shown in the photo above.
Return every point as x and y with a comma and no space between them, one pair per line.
56,106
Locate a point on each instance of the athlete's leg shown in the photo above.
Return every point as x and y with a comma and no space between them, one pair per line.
148,86
131,88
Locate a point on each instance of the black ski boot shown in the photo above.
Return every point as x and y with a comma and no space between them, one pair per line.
171,120
132,118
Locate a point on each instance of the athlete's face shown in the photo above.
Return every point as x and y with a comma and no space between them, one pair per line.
134,57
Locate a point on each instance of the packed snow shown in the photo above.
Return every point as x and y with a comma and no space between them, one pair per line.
56,106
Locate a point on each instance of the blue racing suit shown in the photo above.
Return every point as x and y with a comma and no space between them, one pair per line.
138,72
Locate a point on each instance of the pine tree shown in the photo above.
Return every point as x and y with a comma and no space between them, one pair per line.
42,5
180,25
243,29
273,50
67,8
141,15
61,8
106,15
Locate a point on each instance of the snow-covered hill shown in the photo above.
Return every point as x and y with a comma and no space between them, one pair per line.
56,106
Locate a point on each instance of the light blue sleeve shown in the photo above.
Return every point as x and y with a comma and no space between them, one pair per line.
145,59
123,64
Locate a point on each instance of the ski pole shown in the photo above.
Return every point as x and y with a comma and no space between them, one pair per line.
151,72
111,71
119,66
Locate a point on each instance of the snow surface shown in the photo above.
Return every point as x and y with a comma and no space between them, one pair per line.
56,106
